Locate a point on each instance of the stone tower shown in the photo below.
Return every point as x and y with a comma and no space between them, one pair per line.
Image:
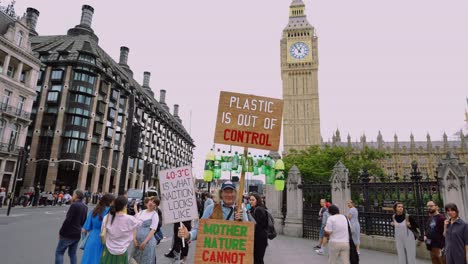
299,66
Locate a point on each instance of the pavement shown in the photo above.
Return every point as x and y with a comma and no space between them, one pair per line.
30,235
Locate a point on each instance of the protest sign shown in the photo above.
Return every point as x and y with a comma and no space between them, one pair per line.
221,241
178,202
249,121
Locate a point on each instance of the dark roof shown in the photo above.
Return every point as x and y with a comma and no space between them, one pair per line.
65,49
5,21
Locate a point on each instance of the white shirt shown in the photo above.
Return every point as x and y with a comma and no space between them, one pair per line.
145,215
120,232
338,226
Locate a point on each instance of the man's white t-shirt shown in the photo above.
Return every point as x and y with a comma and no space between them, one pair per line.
338,226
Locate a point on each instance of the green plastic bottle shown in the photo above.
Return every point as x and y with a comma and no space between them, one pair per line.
209,166
250,167
235,162
255,165
217,166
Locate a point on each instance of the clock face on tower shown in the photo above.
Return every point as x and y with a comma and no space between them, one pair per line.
299,50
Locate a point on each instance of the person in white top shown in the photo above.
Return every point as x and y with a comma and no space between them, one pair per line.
143,237
336,229
119,234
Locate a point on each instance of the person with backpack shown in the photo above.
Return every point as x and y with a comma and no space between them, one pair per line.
405,234
260,215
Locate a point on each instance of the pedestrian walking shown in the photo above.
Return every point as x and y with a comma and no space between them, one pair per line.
70,233
2,196
225,209
353,217
405,240
322,226
93,247
323,244
336,229
456,236
119,228
144,241
260,215
434,233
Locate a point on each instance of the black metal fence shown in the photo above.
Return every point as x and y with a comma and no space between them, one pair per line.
312,193
374,198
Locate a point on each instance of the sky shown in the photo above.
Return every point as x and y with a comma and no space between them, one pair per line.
392,66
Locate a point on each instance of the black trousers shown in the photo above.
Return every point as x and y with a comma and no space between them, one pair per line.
259,250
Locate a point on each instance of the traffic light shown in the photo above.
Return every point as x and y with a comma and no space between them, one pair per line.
135,141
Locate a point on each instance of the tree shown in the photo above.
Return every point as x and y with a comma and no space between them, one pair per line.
316,163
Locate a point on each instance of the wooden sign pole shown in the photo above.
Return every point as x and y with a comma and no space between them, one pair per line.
240,195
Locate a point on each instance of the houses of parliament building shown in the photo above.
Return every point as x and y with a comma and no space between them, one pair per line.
301,118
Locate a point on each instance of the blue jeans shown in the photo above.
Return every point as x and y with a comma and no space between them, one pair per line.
63,244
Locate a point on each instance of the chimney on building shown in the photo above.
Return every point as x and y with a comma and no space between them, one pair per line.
31,19
162,99
176,113
146,78
124,55
87,16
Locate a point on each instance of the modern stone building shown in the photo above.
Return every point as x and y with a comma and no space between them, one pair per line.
18,76
299,70
87,106
400,154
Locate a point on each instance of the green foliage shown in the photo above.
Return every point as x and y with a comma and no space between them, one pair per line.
316,163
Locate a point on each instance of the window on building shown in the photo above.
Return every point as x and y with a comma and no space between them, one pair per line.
114,95
84,77
109,132
87,58
13,134
98,128
73,146
2,128
111,114
6,98
78,121
20,106
19,38
57,88
79,98
78,111
52,97
56,75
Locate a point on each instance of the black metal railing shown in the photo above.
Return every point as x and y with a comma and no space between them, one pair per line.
11,110
312,194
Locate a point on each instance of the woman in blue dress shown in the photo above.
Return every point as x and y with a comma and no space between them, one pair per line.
353,217
93,247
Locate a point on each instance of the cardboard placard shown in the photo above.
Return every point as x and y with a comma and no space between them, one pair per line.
249,121
178,202
221,241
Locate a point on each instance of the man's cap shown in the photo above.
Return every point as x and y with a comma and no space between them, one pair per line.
228,185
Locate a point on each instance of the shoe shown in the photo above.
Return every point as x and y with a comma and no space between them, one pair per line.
317,247
319,251
170,254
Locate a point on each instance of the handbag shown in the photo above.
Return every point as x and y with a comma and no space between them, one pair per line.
83,239
353,255
103,233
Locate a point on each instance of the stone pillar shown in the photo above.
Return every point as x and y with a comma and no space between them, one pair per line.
55,150
19,69
294,221
453,183
6,63
32,164
341,192
274,203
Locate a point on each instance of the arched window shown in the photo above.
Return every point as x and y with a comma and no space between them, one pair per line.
19,38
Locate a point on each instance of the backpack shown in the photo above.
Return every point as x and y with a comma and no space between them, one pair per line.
271,232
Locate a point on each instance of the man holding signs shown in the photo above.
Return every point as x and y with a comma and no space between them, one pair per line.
226,210
247,121
178,202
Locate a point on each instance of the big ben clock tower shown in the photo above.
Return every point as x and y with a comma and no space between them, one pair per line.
299,66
